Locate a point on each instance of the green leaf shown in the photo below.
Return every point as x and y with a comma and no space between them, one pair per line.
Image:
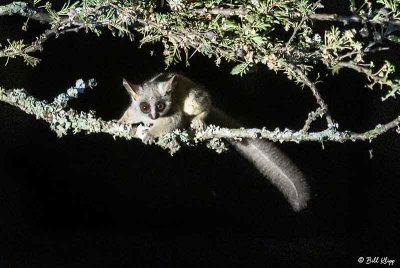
258,40
240,69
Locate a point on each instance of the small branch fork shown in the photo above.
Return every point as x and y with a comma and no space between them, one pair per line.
323,107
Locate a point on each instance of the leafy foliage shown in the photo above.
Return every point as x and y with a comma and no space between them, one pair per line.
276,34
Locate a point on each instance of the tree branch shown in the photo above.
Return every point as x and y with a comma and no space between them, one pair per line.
17,48
60,119
230,12
381,77
63,121
226,12
25,10
300,136
351,19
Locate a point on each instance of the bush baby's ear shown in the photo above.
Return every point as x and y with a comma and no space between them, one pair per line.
132,89
169,85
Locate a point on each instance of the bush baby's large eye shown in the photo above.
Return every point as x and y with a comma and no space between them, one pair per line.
160,106
145,107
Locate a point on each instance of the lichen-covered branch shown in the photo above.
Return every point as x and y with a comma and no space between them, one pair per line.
63,121
26,10
312,116
300,136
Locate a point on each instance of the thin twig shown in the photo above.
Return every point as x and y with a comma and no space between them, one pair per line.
37,45
226,12
304,17
364,70
312,116
351,19
47,34
314,91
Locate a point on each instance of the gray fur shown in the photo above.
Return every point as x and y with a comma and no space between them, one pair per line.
270,162
188,101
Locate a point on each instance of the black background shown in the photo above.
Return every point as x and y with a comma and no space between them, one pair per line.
87,200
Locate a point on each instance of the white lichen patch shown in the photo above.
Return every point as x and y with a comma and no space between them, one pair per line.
217,145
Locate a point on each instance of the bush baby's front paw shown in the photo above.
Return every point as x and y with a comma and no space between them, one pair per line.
148,138
198,124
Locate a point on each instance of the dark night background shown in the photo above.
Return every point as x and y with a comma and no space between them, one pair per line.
87,200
